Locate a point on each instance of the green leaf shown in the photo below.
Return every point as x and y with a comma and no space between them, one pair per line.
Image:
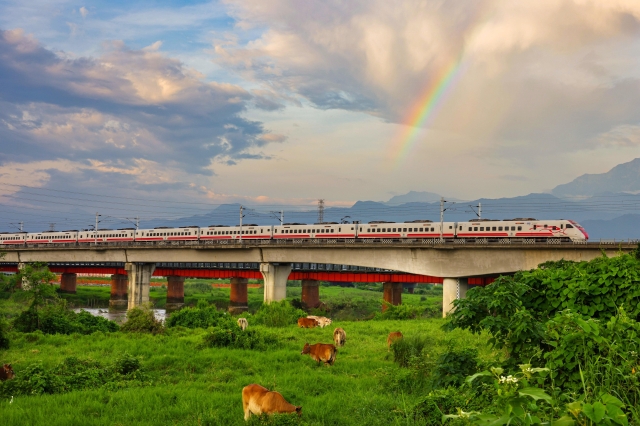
563,421
475,376
609,399
617,415
535,393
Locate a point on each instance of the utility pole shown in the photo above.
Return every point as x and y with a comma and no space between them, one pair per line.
240,224
95,231
137,222
21,223
282,217
479,210
321,211
441,216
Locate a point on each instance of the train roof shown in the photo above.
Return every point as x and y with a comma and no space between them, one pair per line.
190,226
417,221
293,223
484,220
218,226
126,229
520,218
381,221
71,230
249,224
326,223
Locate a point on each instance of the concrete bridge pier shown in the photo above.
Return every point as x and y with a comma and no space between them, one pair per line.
239,297
392,293
410,287
118,299
139,279
452,289
175,292
275,280
68,283
311,293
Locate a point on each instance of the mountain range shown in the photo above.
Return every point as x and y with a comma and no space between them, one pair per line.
605,204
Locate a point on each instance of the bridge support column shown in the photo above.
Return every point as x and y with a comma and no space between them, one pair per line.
311,293
275,280
392,294
410,287
68,283
118,300
175,292
452,289
139,279
239,300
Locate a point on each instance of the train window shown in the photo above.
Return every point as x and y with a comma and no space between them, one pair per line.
431,229
519,228
534,227
554,227
394,229
569,226
545,225
482,228
493,229
475,228
404,229
450,227
499,228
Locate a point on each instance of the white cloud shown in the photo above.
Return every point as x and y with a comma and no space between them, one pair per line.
83,11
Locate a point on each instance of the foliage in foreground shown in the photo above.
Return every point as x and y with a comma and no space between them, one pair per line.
75,374
234,337
203,316
57,319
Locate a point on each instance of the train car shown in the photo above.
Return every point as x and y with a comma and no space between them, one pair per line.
104,236
564,230
250,231
165,233
9,238
52,237
333,230
408,229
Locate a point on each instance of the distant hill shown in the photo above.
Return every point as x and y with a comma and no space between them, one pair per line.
623,227
417,197
624,177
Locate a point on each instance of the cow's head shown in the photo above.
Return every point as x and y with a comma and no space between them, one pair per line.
8,372
299,410
306,349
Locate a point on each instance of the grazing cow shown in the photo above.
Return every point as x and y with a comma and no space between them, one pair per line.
307,323
392,337
257,400
339,337
6,372
243,323
321,352
322,321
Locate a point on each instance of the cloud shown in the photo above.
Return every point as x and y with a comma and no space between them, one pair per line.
124,106
530,76
83,11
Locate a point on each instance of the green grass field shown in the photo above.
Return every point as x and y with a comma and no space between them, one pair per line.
190,385
203,386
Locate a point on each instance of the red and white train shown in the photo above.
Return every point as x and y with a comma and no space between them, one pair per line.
474,230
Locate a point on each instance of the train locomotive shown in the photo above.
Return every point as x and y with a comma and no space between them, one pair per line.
477,230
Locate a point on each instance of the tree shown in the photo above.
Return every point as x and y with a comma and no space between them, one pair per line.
37,288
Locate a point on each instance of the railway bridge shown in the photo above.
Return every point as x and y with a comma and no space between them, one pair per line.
454,262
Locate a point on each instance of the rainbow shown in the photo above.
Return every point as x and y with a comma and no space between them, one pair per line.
425,109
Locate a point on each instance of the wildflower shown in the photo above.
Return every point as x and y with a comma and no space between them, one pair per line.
509,379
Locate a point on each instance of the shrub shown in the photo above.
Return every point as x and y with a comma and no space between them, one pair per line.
56,319
74,374
430,409
142,320
453,366
278,314
234,337
399,312
4,338
408,348
200,317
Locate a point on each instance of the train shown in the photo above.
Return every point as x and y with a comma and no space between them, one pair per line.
475,230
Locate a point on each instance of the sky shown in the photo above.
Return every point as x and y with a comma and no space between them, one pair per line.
193,104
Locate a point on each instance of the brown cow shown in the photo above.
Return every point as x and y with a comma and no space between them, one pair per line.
307,323
257,400
321,352
6,372
339,337
392,337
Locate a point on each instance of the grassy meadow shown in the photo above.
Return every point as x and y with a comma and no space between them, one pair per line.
185,383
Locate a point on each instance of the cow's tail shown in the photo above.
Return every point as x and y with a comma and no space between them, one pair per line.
333,356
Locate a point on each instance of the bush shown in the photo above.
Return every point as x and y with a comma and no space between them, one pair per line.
429,410
399,312
74,374
278,314
56,319
200,317
234,337
142,320
453,367
408,348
